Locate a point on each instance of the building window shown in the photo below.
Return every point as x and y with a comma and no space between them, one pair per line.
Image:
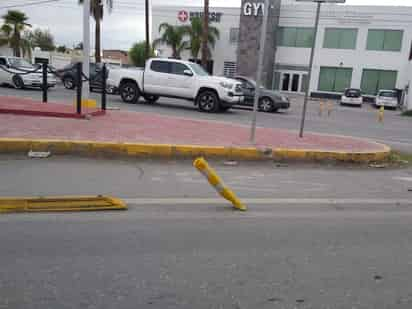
295,37
229,68
386,40
332,79
375,80
340,38
234,35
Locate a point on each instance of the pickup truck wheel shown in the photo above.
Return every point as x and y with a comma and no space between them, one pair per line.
266,105
151,98
68,82
18,82
129,92
208,102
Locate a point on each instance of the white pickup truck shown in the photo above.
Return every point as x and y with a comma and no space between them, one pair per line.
176,79
12,73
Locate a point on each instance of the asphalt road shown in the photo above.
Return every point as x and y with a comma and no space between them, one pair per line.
395,131
303,253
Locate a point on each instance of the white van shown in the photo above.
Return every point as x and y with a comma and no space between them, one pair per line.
387,98
352,96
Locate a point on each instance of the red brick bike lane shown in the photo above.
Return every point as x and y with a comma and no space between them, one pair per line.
150,128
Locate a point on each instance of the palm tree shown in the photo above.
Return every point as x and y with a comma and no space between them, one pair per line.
172,36
5,34
195,31
14,24
97,10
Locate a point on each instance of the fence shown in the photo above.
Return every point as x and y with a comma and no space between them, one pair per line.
17,81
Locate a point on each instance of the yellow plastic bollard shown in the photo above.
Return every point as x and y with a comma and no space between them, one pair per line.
320,108
381,114
217,183
330,108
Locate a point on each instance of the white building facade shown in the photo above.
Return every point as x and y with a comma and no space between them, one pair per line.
367,47
226,20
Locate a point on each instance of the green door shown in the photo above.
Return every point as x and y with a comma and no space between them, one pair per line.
387,80
326,79
342,79
370,80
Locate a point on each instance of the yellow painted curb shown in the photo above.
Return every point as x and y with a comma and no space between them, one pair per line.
91,148
60,204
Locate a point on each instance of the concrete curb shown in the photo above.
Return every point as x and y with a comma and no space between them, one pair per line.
92,148
60,204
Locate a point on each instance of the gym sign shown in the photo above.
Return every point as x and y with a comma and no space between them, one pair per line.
184,16
253,9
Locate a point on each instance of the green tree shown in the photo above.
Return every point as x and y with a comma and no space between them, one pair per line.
172,36
5,34
137,53
195,31
97,10
41,38
15,22
61,48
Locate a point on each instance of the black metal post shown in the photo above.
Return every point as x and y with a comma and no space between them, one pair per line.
79,84
104,85
44,86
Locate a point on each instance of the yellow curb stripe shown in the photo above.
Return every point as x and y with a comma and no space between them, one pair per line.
60,204
17,145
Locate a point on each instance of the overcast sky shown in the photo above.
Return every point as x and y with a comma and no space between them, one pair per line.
124,25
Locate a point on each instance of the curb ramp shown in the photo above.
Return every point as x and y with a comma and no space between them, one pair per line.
60,204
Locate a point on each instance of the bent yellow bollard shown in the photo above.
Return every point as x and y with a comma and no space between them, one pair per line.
330,108
218,184
381,113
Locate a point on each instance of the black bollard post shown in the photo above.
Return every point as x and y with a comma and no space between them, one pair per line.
79,84
44,86
104,85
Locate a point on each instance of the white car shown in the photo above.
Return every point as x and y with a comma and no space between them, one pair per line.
12,73
387,98
177,79
352,96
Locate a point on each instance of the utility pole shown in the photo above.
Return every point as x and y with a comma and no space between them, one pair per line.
205,34
312,54
86,48
263,34
147,29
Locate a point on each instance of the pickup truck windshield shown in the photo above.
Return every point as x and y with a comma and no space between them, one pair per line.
18,62
198,69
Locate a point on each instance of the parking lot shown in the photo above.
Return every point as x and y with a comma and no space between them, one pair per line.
345,120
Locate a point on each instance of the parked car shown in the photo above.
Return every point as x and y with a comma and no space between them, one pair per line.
352,96
387,98
11,69
178,79
68,77
269,100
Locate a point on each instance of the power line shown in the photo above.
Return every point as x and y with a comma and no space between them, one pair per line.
27,4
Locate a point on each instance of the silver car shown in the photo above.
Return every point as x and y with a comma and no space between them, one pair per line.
269,100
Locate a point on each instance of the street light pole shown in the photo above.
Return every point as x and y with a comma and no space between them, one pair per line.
263,30
205,35
86,48
312,54
147,29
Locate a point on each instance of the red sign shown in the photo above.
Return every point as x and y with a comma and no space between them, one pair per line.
183,16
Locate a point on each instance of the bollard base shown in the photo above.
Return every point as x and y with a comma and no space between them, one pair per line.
89,103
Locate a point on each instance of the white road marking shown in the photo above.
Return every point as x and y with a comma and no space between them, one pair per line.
269,201
403,178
